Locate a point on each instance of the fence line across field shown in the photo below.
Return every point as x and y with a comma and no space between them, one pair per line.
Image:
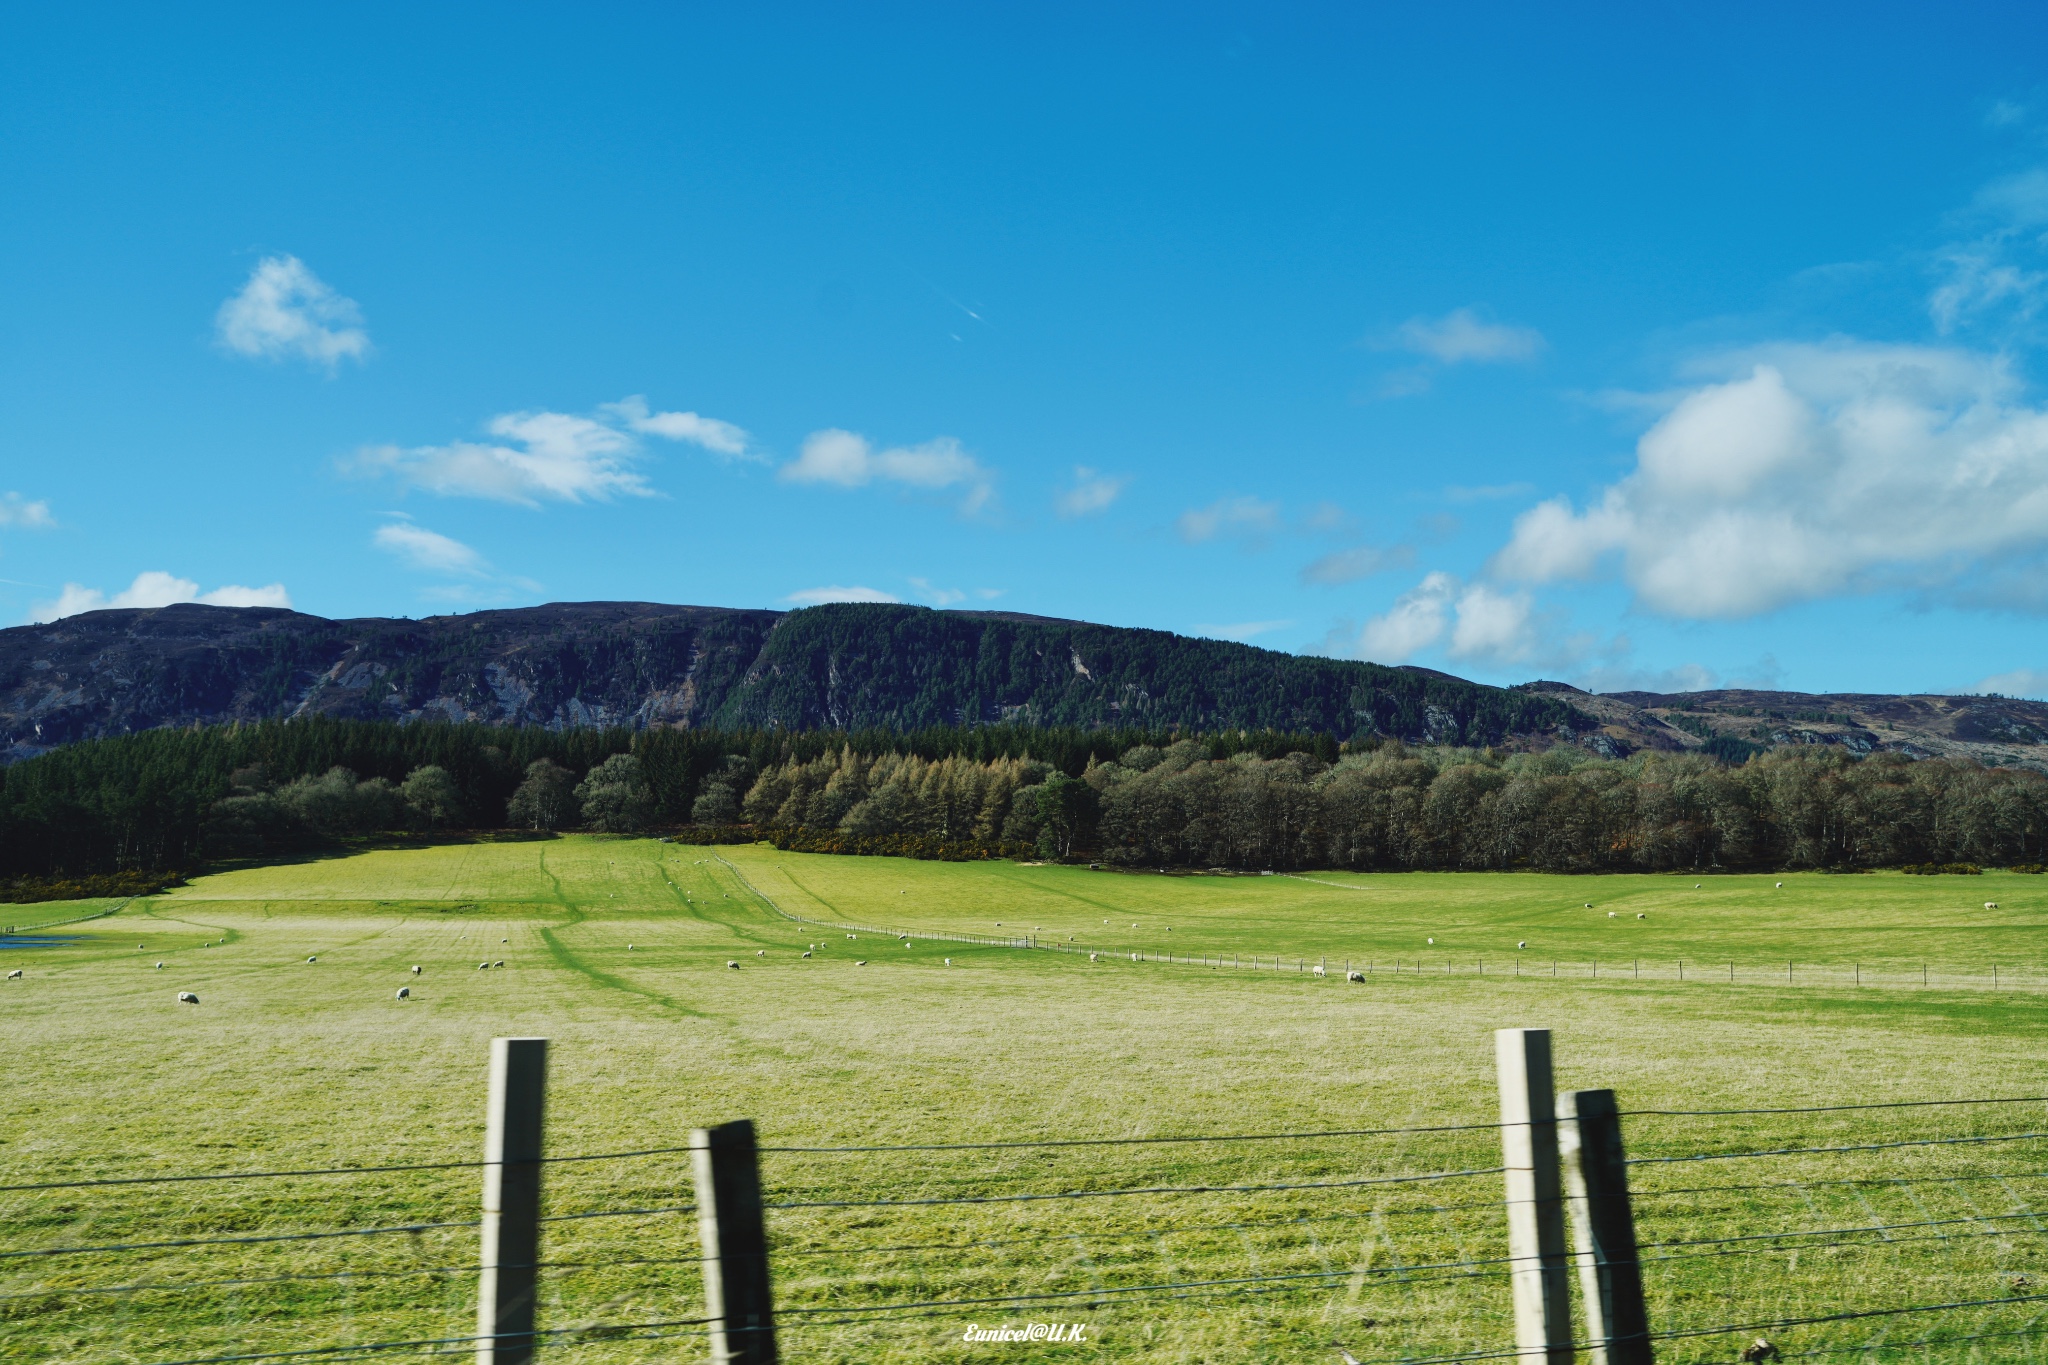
1568,1207
1995,977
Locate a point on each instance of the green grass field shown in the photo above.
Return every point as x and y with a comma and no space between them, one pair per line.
291,1064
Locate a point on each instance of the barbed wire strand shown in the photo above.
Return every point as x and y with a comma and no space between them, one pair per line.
361,1348
181,1286
1824,1108
1845,1317
1825,1151
1148,1189
231,1241
1142,1141
1836,1232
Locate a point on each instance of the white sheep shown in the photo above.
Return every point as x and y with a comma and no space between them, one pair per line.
1589,905
806,954
1523,944
1781,886
405,992
499,963
760,952
949,962
1317,971
187,998
14,975
483,966
1432,942
1092,957
312,959
1610,914
159,966
734,965
1640,915
1990,905
415,971
862,963
1354,976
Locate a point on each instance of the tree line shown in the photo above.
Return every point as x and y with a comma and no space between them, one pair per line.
173,800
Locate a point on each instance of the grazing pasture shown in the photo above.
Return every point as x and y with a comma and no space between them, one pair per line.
301,1056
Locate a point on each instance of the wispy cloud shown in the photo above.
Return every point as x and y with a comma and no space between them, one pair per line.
552,456
285,311
1243,630
1241,518
1360,561
720,438
937,596
1999,273
1092,492
17,511
1460,337
156,589
1488,492
2020,682
812,597
430,550
845,459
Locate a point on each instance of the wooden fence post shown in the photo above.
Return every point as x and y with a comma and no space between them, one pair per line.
1603,1227
511,1224
736,1292
1538,1265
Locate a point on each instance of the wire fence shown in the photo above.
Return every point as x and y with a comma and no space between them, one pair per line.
1510,965
1872,1228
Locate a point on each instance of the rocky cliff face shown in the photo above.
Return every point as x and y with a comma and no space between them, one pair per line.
610,663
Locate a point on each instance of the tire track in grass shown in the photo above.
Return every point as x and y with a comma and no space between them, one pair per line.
565,956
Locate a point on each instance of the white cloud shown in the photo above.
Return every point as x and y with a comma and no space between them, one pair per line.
938,597
1493,626
1463,337
552,456
811,597
156,589
720,438
2021,682
1810,471
424,549
1414,623
1361,561
846,459
17,511
1252,519
1483,624
285,310
1092,492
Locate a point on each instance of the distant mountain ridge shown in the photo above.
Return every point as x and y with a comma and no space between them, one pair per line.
1997,731
638,664
858,666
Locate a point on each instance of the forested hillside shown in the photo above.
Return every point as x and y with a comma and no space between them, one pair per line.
638,665
176,799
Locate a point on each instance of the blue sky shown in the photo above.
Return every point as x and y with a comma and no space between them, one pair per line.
1641,346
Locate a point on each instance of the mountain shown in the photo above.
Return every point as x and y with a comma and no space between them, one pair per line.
645,664
1997,731
856,666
